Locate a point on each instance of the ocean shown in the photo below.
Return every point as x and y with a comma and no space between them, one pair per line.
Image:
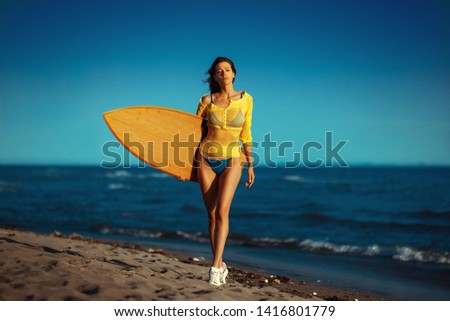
382,230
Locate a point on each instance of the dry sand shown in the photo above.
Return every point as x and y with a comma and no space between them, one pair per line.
52,267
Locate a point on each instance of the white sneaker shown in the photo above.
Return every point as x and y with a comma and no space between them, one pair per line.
215,276
224,273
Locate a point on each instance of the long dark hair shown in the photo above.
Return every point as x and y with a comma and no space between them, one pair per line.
214,86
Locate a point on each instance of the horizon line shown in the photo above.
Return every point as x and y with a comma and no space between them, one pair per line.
146,166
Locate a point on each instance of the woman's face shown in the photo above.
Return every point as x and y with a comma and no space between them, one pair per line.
224,74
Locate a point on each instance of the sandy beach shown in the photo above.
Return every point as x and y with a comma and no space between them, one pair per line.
56,267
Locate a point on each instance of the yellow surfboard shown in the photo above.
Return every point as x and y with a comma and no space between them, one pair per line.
164,138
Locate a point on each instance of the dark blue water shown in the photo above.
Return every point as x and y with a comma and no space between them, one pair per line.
380,230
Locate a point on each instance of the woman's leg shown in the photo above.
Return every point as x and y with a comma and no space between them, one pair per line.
209,185
228,182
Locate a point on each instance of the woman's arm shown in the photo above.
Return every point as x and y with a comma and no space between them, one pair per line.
246,139
250,171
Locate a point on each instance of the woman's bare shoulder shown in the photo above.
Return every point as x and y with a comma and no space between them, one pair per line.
206,99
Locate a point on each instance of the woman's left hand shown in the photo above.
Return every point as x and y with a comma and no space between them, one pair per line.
251,177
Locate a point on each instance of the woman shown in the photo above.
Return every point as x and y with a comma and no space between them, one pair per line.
229,116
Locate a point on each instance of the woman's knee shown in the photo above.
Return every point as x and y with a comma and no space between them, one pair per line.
222,214
212,218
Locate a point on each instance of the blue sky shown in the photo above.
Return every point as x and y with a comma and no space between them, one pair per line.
375,73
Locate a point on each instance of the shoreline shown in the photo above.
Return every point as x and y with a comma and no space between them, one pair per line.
57,267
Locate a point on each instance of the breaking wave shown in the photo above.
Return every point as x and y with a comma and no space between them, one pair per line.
399,253
123,174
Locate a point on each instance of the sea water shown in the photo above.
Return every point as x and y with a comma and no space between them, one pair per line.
383,230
